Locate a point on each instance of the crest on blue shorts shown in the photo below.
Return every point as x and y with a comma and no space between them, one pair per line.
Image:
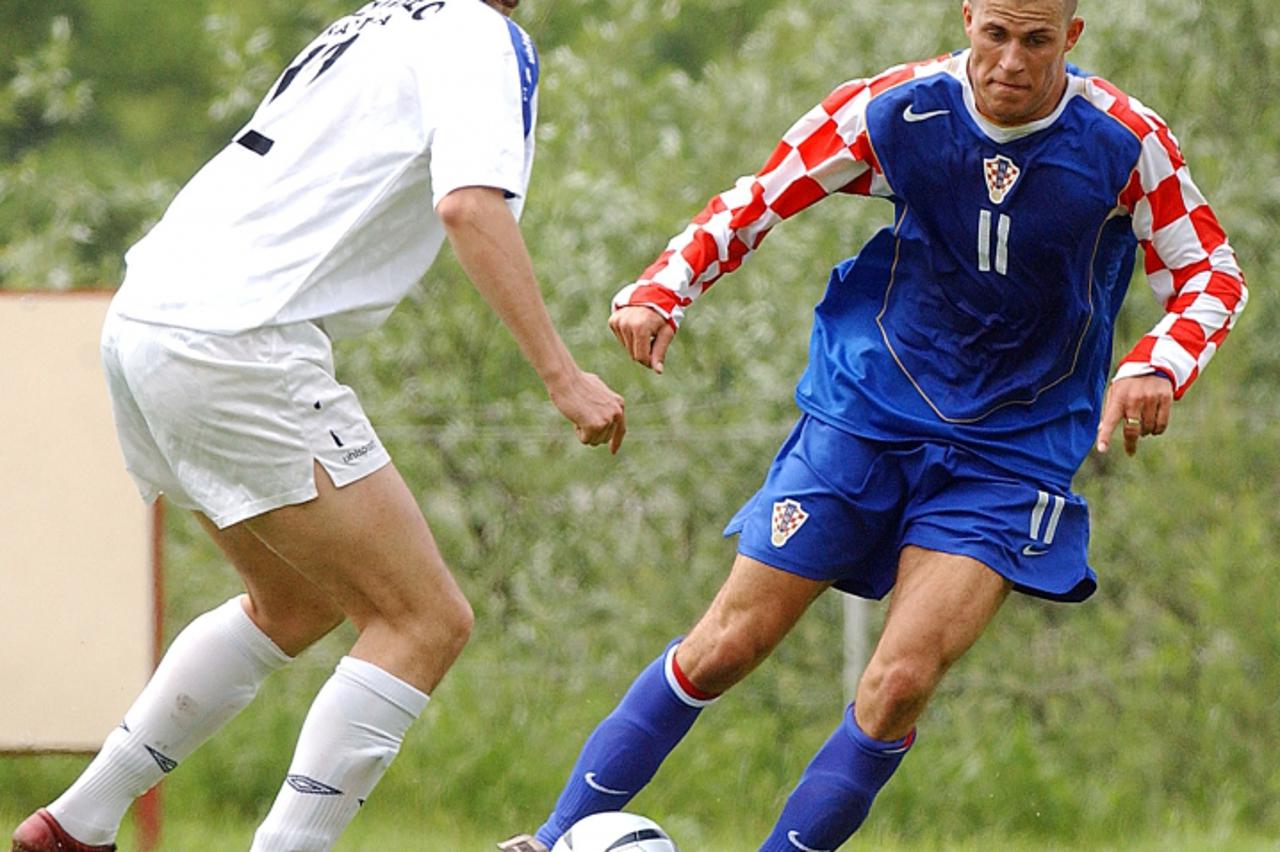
788,516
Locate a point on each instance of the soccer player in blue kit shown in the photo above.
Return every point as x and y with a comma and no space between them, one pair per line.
956,381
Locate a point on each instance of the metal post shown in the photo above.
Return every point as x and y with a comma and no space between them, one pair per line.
857,643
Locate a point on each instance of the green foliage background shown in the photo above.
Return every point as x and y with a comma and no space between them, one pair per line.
1151,711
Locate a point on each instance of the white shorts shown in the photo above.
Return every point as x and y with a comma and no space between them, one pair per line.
231,425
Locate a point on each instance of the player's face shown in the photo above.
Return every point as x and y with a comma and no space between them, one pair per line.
504,6
1018,60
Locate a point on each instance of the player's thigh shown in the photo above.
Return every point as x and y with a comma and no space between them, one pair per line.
941,604
282,602
942,601
754,609
368,546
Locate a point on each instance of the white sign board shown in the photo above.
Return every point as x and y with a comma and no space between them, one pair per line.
79,553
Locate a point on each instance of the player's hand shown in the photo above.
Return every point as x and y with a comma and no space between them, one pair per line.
596,412
1142,404
644,333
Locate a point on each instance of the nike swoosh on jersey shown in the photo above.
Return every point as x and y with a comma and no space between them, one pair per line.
794,837
590,778
909,116
1030,550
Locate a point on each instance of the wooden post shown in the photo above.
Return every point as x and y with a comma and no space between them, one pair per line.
147,812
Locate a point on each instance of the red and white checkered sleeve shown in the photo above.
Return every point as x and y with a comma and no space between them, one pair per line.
826,151
1189,264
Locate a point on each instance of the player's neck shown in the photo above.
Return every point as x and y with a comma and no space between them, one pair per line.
506,7
1044,110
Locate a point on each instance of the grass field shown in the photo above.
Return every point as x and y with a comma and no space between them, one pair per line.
440,834
505,725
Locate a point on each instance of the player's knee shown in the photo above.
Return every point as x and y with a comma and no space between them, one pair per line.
441,628
462,620
714,666
899,690
295,628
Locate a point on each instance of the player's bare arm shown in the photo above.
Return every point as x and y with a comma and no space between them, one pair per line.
1142,404
487,240
644,333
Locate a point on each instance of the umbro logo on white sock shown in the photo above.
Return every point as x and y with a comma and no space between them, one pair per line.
310,786
167,764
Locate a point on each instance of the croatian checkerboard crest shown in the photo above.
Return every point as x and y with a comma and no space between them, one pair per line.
788,517
1001,174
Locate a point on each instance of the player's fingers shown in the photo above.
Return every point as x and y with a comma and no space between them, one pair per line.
660,343
1132,431
639,343
594,437
1164,408
1150,415
614,326
625,333
1107,425
620,429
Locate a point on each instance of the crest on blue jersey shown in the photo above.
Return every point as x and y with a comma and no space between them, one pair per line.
788,516
1001,174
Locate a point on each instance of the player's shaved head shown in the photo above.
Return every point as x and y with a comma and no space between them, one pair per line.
1017,57
1068,6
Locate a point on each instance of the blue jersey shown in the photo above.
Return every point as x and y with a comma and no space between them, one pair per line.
983,316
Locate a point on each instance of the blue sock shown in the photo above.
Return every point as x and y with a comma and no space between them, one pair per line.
836,790
625,750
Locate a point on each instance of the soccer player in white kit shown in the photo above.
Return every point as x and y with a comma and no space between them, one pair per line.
401,124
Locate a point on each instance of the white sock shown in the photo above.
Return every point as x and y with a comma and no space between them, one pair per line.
210,672
352,733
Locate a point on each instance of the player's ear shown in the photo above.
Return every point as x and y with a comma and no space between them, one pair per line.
1074,28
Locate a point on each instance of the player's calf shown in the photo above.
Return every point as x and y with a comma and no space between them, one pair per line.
836,790
712,661
294,628
351,735
211,671
626,749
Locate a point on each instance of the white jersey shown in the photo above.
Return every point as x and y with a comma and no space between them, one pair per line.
323,206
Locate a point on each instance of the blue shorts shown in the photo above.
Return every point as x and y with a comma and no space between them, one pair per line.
841,508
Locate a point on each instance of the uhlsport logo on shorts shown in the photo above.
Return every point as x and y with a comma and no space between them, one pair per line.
788,516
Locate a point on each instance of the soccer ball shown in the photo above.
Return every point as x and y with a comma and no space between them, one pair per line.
615,831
